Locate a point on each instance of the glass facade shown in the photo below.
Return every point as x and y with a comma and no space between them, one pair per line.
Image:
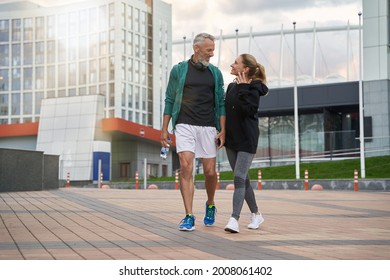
321,135
77,52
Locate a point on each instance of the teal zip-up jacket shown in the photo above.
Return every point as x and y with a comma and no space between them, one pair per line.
175,88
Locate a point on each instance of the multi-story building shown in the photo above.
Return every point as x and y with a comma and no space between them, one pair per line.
86,81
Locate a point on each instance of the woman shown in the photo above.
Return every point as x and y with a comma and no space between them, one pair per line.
242,133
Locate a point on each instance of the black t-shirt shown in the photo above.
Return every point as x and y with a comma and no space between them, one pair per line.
197,106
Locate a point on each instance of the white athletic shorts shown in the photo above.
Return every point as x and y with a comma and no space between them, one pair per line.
197,139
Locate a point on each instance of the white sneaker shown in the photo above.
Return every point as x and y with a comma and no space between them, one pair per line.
232,226
256,221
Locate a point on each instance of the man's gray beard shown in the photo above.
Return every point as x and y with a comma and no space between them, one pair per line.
203,61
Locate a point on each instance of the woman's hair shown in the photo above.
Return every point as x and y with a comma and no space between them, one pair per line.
198,40
256,70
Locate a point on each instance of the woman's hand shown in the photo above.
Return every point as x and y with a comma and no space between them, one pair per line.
242,78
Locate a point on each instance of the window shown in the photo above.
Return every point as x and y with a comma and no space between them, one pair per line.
40,28
27,103
28,53
38,101
62,25
4,78
4,55
72,74
82,73
39,52
83,47
164,171
4,104
136,20
103,70
129,39
73,20
27,78
62,50
4,30
51,51
93,20
112,95
129,96
15,104
123,97
16,79
51,27
72,48
51,77
27,29
83,20
93,71
111,11
112,68
62,75
16,55
103,17
152,170
103,43
16,30
93,45
39,77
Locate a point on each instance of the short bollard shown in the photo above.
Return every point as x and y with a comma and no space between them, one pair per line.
136,180
68,180
355,181
259,181
306,180
176,180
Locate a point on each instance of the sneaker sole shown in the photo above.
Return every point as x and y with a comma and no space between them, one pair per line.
187,229
255,227
231,230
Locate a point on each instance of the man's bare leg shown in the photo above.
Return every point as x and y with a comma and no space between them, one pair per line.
210,178
186,180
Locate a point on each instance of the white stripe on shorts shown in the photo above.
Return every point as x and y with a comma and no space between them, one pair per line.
197,139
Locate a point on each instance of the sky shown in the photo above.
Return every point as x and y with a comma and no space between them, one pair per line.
262,15
190,17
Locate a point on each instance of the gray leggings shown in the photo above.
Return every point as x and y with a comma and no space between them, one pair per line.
240,163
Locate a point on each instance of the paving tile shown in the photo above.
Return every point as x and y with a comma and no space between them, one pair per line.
95,224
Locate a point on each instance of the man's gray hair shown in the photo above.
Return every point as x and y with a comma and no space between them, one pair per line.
198,40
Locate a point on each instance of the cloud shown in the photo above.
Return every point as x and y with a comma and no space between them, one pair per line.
253,7
194,16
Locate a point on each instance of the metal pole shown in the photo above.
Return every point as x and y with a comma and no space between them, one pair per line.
185,55
281,56
99,172
236,42
296,120
219,49
145,173
348,46
313,74
250,40
361,109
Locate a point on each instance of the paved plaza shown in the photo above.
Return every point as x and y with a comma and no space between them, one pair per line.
100,224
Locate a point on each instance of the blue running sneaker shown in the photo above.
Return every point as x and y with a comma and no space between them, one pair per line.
209,218
188,223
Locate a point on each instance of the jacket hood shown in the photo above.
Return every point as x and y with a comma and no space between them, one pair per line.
260,87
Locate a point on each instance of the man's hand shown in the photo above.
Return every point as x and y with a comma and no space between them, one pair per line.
165,139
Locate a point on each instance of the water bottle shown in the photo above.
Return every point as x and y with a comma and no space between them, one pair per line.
164,151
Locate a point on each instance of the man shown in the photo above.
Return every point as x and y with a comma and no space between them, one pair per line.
195,103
